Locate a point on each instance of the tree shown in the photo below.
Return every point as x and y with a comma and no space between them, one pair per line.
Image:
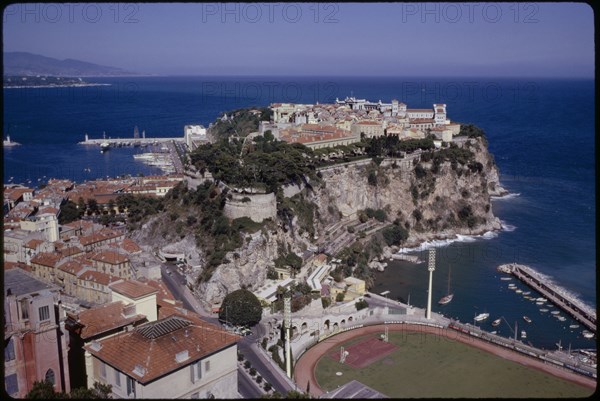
241,307
394,235
69,212
45,390
92,206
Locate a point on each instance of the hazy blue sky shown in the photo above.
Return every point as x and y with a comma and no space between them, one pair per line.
446,39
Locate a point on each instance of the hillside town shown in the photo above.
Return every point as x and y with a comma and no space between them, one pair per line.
86,304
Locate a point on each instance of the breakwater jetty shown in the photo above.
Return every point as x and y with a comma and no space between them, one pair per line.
118,142
553,292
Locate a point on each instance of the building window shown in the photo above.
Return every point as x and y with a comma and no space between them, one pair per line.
196,371
50,376
102,369
24,309
11,384
117,378
207,366
130,386
44,313
9,351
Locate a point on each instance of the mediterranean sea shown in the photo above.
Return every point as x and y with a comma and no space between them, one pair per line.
541,133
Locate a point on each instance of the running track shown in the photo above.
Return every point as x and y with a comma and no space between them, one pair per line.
304,370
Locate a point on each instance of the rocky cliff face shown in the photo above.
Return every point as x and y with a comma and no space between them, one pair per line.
433,202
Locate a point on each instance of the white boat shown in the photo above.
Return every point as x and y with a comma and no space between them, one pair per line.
104,146
542,299
544,310
505,278
447,298
481,316
526,292
518,291
523,334
527,319
587,334
539,303
555,312
496,322
574,326
561,318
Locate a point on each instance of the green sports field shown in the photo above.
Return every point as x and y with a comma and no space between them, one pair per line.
427,365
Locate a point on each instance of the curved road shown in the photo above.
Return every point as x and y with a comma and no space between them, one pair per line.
305,368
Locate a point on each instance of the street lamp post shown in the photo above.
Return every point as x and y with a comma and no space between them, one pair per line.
431,268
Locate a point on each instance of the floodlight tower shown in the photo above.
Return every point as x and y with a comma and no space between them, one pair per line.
287,316
431,268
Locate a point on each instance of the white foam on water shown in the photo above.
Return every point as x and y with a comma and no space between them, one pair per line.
507,196
437,243
507,227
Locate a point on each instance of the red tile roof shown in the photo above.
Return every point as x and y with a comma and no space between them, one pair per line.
153,346
111,257
34,243
98,277
133,289
46,259
71,267
104,318
130,246
103,235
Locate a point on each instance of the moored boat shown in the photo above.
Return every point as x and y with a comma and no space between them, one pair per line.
104,146
523,334
542,299
574,326
587,334
527,319
446,299
496,322
481,316
544,310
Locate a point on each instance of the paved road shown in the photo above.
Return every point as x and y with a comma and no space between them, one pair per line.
246,386
246,345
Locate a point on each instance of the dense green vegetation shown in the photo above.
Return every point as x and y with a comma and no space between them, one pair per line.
262,163
44,390
392,146
239,123
471,131
241,308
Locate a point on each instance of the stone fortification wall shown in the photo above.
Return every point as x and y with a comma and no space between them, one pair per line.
260,206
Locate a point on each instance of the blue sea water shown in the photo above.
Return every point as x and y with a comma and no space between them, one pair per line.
541,133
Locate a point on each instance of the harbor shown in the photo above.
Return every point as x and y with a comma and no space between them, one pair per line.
119,142
554,293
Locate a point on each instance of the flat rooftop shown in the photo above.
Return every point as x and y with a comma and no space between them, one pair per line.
21,283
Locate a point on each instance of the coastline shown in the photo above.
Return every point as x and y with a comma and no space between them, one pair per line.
54,86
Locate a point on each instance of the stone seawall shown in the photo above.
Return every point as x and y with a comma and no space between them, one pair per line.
258,208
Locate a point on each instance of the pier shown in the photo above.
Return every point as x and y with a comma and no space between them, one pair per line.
554,293
130,141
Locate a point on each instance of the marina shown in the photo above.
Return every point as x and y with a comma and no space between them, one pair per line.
552,292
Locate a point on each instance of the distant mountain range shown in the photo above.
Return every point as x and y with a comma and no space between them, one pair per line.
29,64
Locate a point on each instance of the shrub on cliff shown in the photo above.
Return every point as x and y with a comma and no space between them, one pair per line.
394,235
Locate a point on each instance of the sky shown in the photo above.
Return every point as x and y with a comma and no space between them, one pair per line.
315,39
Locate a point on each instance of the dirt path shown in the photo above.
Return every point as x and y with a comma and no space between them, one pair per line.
304,371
